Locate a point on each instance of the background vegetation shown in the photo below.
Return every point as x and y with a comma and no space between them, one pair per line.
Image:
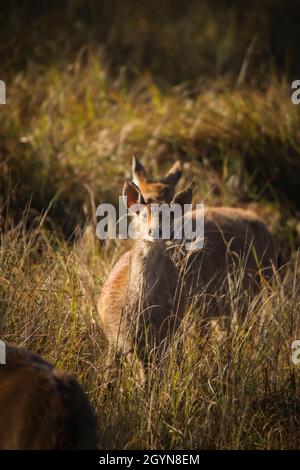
89,84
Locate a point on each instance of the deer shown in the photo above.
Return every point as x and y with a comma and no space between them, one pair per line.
161,190
141,303
232,236
41,407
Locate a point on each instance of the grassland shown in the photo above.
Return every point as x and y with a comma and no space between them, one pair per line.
67,135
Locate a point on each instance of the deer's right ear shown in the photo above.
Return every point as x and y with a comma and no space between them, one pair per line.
138,171
183,197
132,195
174,174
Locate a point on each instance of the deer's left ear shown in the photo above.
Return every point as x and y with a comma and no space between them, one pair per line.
174,174
138,171
132,195
183,197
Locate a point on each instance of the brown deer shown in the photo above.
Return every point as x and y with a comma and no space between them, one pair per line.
42,407
162,190
232,236
141,303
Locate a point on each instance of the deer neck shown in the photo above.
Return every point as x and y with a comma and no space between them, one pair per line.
147,263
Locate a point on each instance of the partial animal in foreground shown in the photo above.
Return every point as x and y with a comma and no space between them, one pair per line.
42,407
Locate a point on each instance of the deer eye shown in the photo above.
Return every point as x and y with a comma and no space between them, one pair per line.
143,215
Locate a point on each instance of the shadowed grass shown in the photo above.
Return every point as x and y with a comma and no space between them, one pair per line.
68,135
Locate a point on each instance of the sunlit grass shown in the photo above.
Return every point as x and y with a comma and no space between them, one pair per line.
213,390
67,135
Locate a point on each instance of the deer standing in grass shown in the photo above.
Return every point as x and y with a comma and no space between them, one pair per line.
141,303
42,407
233,238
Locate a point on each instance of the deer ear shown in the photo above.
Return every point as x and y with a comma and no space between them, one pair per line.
132,194
183,197
138,171
174,174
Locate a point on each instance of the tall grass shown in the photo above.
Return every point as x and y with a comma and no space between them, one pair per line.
68,134
77,110
213,390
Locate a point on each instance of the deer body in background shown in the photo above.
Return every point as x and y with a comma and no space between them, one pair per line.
232,237
42,407
141,303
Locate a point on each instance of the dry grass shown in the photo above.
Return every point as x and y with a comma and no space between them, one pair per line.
238,390
67,135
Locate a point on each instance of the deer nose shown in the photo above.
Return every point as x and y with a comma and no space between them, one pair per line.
155,233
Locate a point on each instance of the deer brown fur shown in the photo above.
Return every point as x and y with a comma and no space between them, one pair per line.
141,303
230,234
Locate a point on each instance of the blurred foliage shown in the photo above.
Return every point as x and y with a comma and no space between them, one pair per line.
90,83
175,40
